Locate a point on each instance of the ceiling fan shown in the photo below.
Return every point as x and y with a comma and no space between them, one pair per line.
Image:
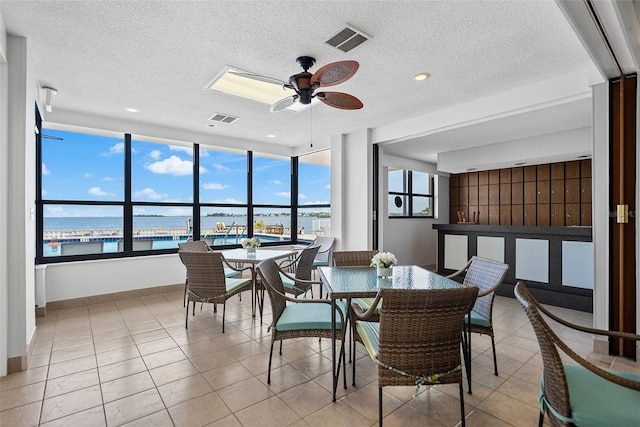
307,85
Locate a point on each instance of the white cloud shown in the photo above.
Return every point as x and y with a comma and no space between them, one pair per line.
221,168
55,210
284,194
317,202
301,196
172,166
45,171
96,191
227,200
87,175
44,193
108,179
275,182
328,186
149,194
155,154
116,149
188,150
213,186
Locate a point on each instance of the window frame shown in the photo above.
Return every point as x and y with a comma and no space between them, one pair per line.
409,194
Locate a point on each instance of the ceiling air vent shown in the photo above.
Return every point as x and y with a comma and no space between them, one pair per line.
347,39
223,118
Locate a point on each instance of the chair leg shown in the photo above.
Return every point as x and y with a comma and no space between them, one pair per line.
468,351
280,347
270,357
186,317
462,403
224,308
380,405
495,361
184,298
193,312
541,419
215,307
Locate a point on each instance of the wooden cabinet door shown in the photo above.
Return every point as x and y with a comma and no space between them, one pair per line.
517,215
544,192
572,191
557,191
543,215
517,193
530,214
505,194
585,190
530,193
572,214
557,215
494,194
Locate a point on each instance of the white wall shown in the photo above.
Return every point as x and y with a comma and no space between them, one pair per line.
4,191
20,198
412,240
88,278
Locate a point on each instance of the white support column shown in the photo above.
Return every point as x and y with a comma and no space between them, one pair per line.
4,188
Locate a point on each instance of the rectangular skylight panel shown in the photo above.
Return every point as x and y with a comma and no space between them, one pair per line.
248,85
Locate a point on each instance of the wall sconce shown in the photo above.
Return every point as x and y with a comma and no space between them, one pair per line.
48,94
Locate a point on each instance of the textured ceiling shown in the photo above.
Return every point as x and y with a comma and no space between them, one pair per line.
158,56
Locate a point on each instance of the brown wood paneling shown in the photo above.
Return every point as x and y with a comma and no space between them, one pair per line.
572,214
543,218
557,191
585,190
453,216
517,175
483,194
557,215
494,177
572,169
473,178
463,180
544,192
585,214
585,168
494,194
472,209
557,171
530,193
463,194
494,215
529,173
544,172
505,214
517,193
473,195
484,214
453,181
483,178
530,214
572,191
505,176
517,215
505,194
454,197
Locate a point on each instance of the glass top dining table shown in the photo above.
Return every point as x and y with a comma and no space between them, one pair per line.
240,255
363,282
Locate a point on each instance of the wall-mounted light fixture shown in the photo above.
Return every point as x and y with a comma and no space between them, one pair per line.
48,95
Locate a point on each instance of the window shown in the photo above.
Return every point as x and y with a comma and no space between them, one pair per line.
104,195
410,194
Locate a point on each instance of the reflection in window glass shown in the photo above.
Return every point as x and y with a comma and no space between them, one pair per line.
161,227
398,205
422,206
414,200
223,225
161,172
82,166
314,222
272,224
420,183
314,195
271,180
223,176
81,229
397,180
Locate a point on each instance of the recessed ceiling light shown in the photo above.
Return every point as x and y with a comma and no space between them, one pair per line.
421,76
271,135
584,156
211,125
131,110
470,169
520,163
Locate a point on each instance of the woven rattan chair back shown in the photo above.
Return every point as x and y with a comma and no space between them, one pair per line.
269,273
194,246
420,333
304,263
326,247
556,389
353,258
486,275
205,271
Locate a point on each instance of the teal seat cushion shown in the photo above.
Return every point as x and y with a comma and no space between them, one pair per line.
370,334
235,284
478,319
598,402
309,316
366,303
230,272
290,284
320,263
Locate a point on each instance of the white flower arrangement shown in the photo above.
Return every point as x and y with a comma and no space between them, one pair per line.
253,242
384,259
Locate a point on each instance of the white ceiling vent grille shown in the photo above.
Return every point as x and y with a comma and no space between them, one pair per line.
223,118
347,39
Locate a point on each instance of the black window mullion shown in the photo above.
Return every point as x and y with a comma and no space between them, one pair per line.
127,214
39,206
294,199
196,192
249,193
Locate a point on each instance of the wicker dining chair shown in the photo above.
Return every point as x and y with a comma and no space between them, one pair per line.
300,282
580,393
207,282
487,275
323,257
418,339
299,318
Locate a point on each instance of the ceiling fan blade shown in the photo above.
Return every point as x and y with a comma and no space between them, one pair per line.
344,101
282,104
335,73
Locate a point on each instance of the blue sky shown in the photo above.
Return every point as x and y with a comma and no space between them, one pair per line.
91,167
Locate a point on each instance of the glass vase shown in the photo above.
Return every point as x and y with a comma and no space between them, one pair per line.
385,272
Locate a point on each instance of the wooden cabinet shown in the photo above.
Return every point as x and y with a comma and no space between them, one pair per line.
572,191
557,191
530,193
494,193
505,194
557,215
544,192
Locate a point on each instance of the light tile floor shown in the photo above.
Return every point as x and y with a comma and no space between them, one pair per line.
132,363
